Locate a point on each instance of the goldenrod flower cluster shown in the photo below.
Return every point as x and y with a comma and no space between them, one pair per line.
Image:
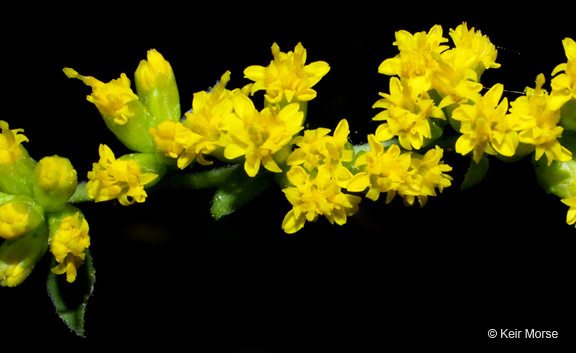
434,91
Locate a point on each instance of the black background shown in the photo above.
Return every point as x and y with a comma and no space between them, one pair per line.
497,256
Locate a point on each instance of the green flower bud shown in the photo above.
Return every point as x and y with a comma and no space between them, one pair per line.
19,256
157,89
55,180
559,178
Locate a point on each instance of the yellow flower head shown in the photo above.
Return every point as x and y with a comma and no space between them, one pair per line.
69,244
258,135
472,51
429,175
111,178
564,85
539,123
10,144
381,170
112,99
176,141
485,127
150,71
312,197
417,58
406,115
571,215
287,78
316,148
209,118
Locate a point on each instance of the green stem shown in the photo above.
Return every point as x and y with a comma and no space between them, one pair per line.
200,180
80,194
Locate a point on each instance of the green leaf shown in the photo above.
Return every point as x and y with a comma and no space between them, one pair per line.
70,299
475,173
237,190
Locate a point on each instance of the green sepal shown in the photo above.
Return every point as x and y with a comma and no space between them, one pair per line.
237,190
134,133
568,115
71,299
24,251
17,178
149,163
162,101
558,178
475,173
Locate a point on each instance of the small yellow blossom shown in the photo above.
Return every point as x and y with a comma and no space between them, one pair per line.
472,50
112,99
176,141
539,123
287,78
69,244
316,148
312,197
150,71
571,215
381,171
10,144
111,178
258,135
564,85
416,60
406,115
429,176
212,112
485,127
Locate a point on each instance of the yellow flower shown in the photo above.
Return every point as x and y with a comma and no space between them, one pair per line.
429,175
571,215
150,71
69,244
472,51
287,78
176,141
258,135
417,58
564,85
111,178
312,197
212,112
10,144
406,115
381,171
539,123
316,148
485,127
112,99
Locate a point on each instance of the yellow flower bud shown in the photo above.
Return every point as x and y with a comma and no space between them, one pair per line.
54,182
18,216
